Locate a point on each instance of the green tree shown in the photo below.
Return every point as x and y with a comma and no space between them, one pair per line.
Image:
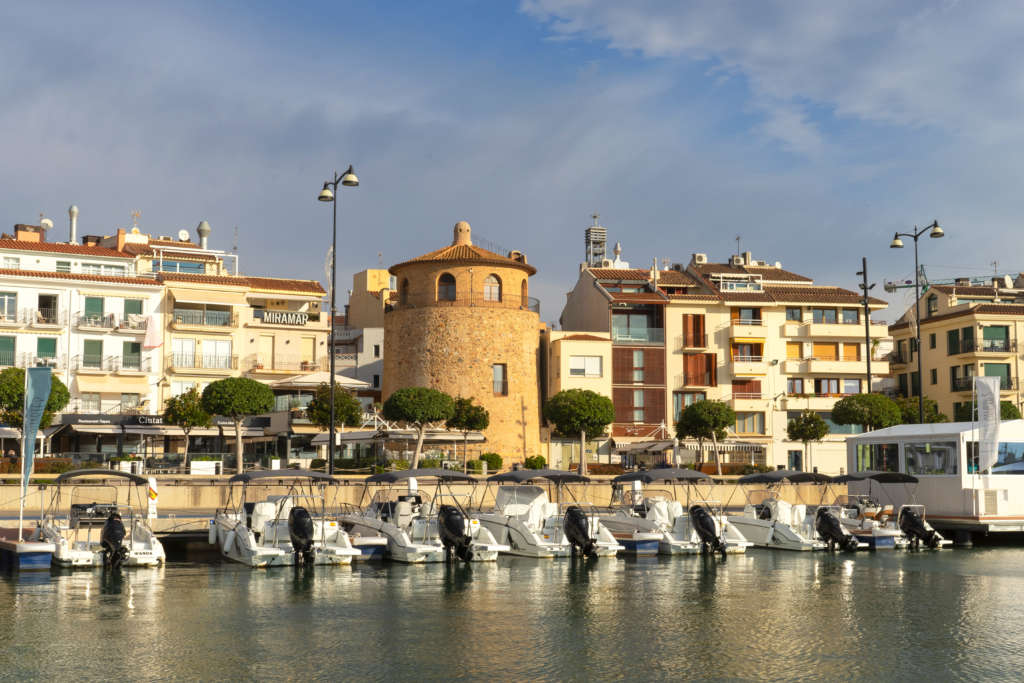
12,399
579,412
909,412
237,398
186,411
348,411
468,417
870,411
964,412
418,407
706,420
807,427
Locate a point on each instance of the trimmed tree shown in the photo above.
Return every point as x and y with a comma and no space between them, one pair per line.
706,420
964,412
418,407
579,412
186,412
870,411
237,398
807,427
468,417
348,411
909,413
12,399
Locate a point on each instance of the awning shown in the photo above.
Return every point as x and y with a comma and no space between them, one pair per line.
8,433
748,340
315,379
97,429
154,430
208,296
360,435
312,296
305,429
108,384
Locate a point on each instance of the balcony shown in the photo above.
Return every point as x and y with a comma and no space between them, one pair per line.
835,330
898,358
44,317
344,360
93,364
11,319
838,366
132,364
649,336
32,360
283,364
964,346
700,379
7,359
967,384
195,361
188,318
104,321
132,323
746,365
692,341
998,346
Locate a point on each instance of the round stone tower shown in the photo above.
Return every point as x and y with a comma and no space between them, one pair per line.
463,323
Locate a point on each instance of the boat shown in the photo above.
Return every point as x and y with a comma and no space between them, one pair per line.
281,530
699,526
525,519
109,534
769,522
417,526
879,525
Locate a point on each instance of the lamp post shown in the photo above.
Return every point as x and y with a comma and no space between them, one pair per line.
935,232
347,179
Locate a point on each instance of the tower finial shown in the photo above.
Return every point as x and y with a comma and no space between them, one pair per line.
595,216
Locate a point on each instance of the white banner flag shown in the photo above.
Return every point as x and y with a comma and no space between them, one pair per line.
986,390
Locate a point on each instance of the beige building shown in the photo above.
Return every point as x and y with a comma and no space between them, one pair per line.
966,330
463,323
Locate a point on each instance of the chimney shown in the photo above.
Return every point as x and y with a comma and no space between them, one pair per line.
120,239
73,216
28,233
748,258
203,230
997,282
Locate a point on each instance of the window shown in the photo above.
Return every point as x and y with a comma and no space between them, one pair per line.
1000,370
915,384
638,405
700,369
826,351
499,378
446,287
826,386
113,270
90,402
132,355
8,306
639,326
851,316
6,351
585,366
995,338
931,457
171,266
952,342
747,353
746,388
63,266
931,340
746,316
794,314
179,388
129,402
795,460
638,366
901,351
12,262
901,384
682,399
93,309
934,376
932,304
694,335
851,352
217,354
794,350
403,293
376,381
881,457
851,386
492,288
823,315
795,386
376,350
46,347
132,307
750,423
92,353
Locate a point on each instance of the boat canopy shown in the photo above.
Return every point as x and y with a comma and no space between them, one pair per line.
557,476
778,476
422,473
74,474
246,477
880,477
663,474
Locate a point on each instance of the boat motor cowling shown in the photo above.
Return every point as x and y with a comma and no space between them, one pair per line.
451,527
577,530
831,531
704,524
913,527
300,533
112,541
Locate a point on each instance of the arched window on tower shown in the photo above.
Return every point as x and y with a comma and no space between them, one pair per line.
523,298
446,287
492,288
403,293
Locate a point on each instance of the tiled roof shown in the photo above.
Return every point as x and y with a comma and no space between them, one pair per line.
675,277
58,248
747,296
829,295
82,277
766,272
638,297
976,290
692,297
621,274
144,250
980,309
172,243
259,283
466,253
273,283
586,337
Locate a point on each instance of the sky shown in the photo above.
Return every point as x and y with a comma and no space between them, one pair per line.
813,131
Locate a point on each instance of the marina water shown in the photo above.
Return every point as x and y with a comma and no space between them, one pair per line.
764,615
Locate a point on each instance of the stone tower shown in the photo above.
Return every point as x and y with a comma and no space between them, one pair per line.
463,323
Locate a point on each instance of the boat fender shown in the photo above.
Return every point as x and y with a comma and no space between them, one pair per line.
229,541
213,532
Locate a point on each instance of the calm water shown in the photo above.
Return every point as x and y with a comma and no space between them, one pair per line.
956,614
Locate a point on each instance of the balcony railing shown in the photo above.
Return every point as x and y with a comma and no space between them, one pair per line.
746,394
747,359
692,341
648,336
132,321
998,345
286,363
104,321
31,360
132,363
196,361
187,316
94,362
967,383
698,379
7,359
43,316
964,346
753,322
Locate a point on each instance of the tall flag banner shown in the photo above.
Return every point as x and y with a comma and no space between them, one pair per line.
986,390
37,393
152,496
153,338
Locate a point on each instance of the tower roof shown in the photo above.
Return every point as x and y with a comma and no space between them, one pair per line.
462,251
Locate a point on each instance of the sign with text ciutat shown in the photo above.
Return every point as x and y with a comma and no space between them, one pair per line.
297,318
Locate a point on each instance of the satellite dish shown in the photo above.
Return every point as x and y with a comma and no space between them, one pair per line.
46,224
183,235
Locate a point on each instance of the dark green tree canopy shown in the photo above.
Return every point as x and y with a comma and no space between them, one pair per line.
705,420
186,411
573,411
909,411
347,409
870,411
808,426
12,398
468,416
418,405
1007,411
237,397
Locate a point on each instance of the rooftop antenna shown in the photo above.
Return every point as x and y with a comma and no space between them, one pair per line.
995,267
234,245
135,218
595,216
380,259
738,252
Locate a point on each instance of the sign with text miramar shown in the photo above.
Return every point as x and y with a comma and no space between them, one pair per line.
297,318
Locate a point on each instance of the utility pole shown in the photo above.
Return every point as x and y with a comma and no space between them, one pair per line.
865,288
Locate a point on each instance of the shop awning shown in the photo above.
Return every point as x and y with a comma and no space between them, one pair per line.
154,430
315,379
208,296
97,429
305,429
108,384
359,435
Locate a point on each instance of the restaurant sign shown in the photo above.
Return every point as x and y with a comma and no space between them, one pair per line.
282,317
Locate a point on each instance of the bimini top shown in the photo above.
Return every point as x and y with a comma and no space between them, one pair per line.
557,476
246,477
74,474
880,477
778,476
663,474
422,473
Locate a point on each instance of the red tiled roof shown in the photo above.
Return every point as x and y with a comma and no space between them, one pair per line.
980,309
747,296
466,253
260,283
273,283
769,273
621,274
58,248
692,297
124,280
974,290
638,297
830,295
586,337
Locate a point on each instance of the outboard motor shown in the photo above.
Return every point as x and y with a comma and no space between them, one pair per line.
704,524
451,527
112,540
300,533
577,530
913,528
831,531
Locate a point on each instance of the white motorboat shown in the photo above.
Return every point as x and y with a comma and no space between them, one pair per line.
768,522
531,525
286,529
419,527
698,526
108,534
878,525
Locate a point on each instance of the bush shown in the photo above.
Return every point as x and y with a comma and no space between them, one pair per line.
599,468
493,460
399,465
319,463
474,466
430,463
354,463
536,462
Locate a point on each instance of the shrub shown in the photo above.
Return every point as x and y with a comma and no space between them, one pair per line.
536,462
493,461
430,463
318,463
399,464
600,468
474,466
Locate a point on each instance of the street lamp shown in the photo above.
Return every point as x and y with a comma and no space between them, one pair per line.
935,232
347,179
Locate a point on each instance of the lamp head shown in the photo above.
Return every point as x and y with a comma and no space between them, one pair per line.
325,194
349,179
896,243
936,231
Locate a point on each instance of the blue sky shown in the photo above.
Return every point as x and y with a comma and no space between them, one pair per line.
812,130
